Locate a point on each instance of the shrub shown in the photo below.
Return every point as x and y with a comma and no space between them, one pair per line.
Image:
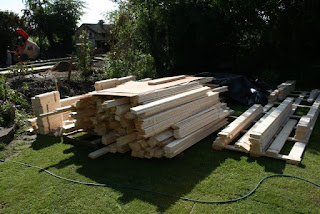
83,54
10,101
7,113
138,64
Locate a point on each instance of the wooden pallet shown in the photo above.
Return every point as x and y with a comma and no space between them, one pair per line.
282,136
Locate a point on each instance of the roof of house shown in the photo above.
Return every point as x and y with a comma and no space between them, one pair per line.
97,28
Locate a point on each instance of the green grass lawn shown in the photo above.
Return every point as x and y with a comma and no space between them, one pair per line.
200,173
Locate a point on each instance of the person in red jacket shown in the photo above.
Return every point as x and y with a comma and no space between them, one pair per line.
26,49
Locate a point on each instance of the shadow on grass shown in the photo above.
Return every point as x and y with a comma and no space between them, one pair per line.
44,141
177,176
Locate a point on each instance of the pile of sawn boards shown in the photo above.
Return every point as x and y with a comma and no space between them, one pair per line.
266,132
152,118
282,91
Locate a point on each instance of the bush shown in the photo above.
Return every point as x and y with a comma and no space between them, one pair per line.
138,64
10,101
83,54
7,113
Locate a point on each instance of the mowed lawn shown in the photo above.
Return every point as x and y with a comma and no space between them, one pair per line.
199,173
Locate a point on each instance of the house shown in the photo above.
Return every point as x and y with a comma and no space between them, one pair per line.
99,36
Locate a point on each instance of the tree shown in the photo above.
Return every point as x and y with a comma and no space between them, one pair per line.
55,20
240,36
9,21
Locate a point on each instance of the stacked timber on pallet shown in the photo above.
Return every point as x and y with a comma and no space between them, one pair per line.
45,103
233,130
282,91
53,114
150,118
259,137
307,122
265,134
153,118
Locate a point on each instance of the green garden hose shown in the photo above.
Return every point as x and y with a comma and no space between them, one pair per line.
163,193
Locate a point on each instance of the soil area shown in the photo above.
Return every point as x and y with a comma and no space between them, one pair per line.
38,83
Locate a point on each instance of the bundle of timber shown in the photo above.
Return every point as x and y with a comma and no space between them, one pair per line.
282,91
150,118
313,95
153,118
307,122
53,114
259,137
270,128
45,103
234,129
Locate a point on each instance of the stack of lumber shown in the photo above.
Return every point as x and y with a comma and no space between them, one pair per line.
282,91
49,109
152,118
260,136
307,122
45,103
286,88
268,135
228,134
171,125
313,95
52,113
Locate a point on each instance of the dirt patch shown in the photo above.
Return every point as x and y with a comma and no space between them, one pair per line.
34,84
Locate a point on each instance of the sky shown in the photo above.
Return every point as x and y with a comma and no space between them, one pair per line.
94,11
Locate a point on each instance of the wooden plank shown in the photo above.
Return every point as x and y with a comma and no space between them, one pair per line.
109,138
241,122
57,111
262,135
269,121
234,129
134,88
125,79
69,128
165,124
298,100
306,123
159,153
72,100
281,139
206,80
196,123
165,92
154,140
115,102
199,103
166,80
105,84
121,141
144,80
178,146
244,142
296,153
177,143
220,89
99,152
268,107
313,94
167,103
122,109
